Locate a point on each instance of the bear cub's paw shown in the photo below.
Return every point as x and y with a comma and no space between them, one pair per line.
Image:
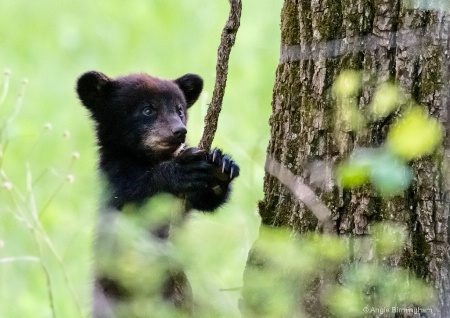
192,171
225,169
205,178
228,169
190,154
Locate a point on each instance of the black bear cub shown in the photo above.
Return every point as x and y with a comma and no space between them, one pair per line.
140,123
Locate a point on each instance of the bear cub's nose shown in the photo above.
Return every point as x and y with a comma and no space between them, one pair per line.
179,133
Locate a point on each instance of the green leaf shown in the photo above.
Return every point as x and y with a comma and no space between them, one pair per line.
349,115
390,176
356,170
330,247
347,84
344,302
352,174
388,237
385,100
415,135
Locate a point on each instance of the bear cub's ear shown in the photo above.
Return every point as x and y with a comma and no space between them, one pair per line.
91,87
191,85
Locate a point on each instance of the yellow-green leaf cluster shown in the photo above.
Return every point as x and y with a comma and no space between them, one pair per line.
347,84
385,100
415,135
388,238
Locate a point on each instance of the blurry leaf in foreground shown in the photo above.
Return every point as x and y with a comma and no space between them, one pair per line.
401,286
389,175
344,302
347,84
299,255
283,251
414,135
352,174
267,293
385,100
345,88
384,286
329,247
363,275
348,116
388,237
357,169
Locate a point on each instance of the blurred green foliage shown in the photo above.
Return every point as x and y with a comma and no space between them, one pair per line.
288,272
53,42
414,134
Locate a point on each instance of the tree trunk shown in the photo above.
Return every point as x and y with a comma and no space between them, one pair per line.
387,41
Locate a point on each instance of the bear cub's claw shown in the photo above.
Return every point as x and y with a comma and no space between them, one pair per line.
227,166
224,168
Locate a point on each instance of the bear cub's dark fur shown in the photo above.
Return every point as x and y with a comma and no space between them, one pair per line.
140,122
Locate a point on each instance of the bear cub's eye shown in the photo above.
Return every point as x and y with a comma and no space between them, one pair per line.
148,111
180,110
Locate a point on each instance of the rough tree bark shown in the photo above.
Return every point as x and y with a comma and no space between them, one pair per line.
319,39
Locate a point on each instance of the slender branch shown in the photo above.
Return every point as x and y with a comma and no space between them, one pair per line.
5,86
46,270
302,192
12,259
39,230
226,43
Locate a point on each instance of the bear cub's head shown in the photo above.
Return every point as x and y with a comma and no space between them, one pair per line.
139,114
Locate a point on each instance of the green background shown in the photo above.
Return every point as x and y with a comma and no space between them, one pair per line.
51,43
